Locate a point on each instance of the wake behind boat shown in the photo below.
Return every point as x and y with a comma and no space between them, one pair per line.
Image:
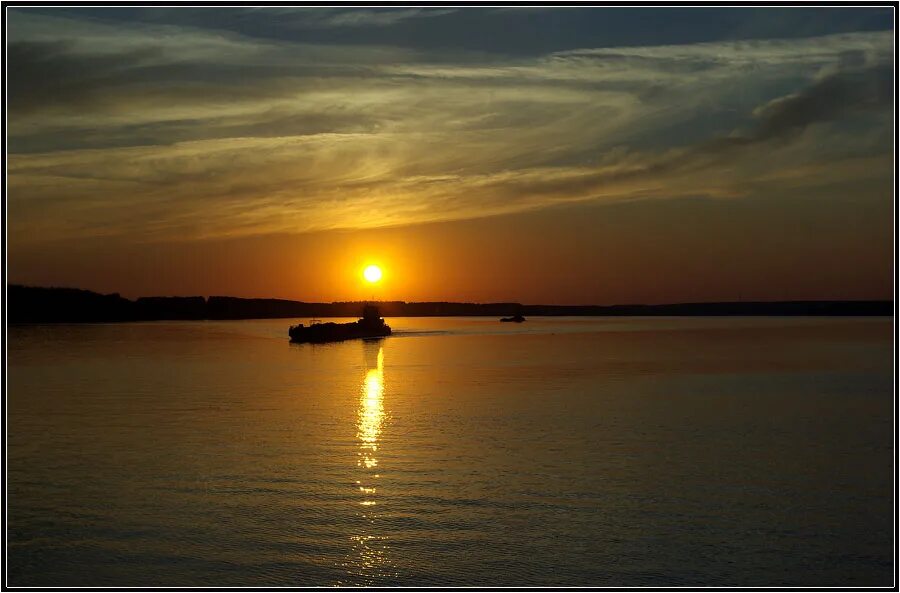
371,325
517,318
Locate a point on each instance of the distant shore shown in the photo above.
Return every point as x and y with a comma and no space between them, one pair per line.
29,304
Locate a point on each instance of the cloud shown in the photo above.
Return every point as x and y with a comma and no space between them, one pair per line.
160,131
316,18
829,98
378,17
48,73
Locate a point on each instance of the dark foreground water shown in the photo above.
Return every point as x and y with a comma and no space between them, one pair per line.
461,451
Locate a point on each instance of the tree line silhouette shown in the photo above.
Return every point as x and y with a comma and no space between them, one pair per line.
30,304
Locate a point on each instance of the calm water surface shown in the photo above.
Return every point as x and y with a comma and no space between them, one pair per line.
460,451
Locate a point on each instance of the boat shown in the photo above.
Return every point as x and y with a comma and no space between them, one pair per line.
371,325
517,318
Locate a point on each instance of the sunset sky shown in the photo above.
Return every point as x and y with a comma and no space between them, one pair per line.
590,155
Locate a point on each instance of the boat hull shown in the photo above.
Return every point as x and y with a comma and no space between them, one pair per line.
337,332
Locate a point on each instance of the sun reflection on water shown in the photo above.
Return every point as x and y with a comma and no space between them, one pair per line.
371,414
370,563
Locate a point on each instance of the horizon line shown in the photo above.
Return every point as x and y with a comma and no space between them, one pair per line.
396,301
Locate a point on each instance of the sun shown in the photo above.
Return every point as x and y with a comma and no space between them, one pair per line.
372,274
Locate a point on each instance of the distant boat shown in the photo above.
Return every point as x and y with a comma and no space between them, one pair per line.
515,318
371,325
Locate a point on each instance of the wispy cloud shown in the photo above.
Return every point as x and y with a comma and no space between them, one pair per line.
336,18
159,131
381,17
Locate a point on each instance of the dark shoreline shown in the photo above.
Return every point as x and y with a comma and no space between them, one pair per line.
28,304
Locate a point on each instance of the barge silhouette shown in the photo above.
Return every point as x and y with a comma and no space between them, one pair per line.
371,325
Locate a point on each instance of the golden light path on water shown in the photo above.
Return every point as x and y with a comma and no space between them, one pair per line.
372,561
371,414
